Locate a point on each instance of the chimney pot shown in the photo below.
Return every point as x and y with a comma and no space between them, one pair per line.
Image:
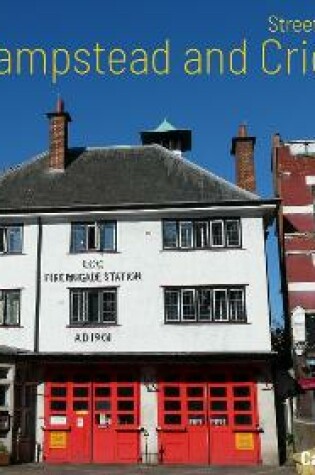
60,105
276,140
242,130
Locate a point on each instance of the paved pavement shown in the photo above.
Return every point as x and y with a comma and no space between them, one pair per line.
38,469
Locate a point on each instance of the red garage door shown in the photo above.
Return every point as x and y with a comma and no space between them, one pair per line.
213,421
92,421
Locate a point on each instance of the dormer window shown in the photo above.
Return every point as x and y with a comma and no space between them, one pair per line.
93,236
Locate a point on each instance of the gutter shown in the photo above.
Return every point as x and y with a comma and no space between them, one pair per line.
268,205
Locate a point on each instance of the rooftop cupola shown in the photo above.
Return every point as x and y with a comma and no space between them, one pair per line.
178,140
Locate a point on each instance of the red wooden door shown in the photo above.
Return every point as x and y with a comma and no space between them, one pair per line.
56,423
92,418
233,423
173,439
245,423
81,422
103,440
220,433
127,420
212,421
197,423
116,422
184,434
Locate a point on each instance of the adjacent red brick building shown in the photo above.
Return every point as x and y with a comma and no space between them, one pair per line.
293,164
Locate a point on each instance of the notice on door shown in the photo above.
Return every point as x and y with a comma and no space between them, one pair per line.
80,422
244,441
58,440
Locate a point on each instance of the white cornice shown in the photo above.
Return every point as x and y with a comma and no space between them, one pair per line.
302,209
301,286
242,210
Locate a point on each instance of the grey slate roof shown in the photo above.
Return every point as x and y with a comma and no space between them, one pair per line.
114,177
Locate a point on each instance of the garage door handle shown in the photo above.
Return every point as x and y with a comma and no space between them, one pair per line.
126,429
258,430
57,428
171,429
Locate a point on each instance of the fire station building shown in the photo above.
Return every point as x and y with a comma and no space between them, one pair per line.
135,283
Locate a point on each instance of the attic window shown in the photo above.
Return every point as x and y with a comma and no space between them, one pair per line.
93,236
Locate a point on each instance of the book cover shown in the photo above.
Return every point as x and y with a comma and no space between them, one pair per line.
107,93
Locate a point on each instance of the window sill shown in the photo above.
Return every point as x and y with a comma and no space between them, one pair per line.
190,249
3,254
11,326
93,325
91,251
207,323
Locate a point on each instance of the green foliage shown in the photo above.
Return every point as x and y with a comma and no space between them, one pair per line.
280,343
290,439
3,448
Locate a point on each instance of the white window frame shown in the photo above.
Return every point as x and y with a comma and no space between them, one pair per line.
101,303
96,228
180,224
96,225
3,312
213,291
178,292
100,224
199,290
83,310
208,238
193,291
4,230
216,221
243,317
165,221
238,231
206,243
220,319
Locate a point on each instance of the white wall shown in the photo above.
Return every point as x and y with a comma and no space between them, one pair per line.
267,422
19,272
141,325
40,421
149,415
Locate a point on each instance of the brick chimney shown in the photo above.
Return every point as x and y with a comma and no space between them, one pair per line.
243,150
58,137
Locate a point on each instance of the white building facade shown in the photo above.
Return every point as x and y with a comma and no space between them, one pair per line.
136,284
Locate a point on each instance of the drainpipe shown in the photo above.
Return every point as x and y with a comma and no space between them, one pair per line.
38,283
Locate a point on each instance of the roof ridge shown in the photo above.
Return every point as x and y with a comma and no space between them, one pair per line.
20,166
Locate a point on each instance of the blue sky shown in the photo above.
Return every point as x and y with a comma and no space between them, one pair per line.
109,110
